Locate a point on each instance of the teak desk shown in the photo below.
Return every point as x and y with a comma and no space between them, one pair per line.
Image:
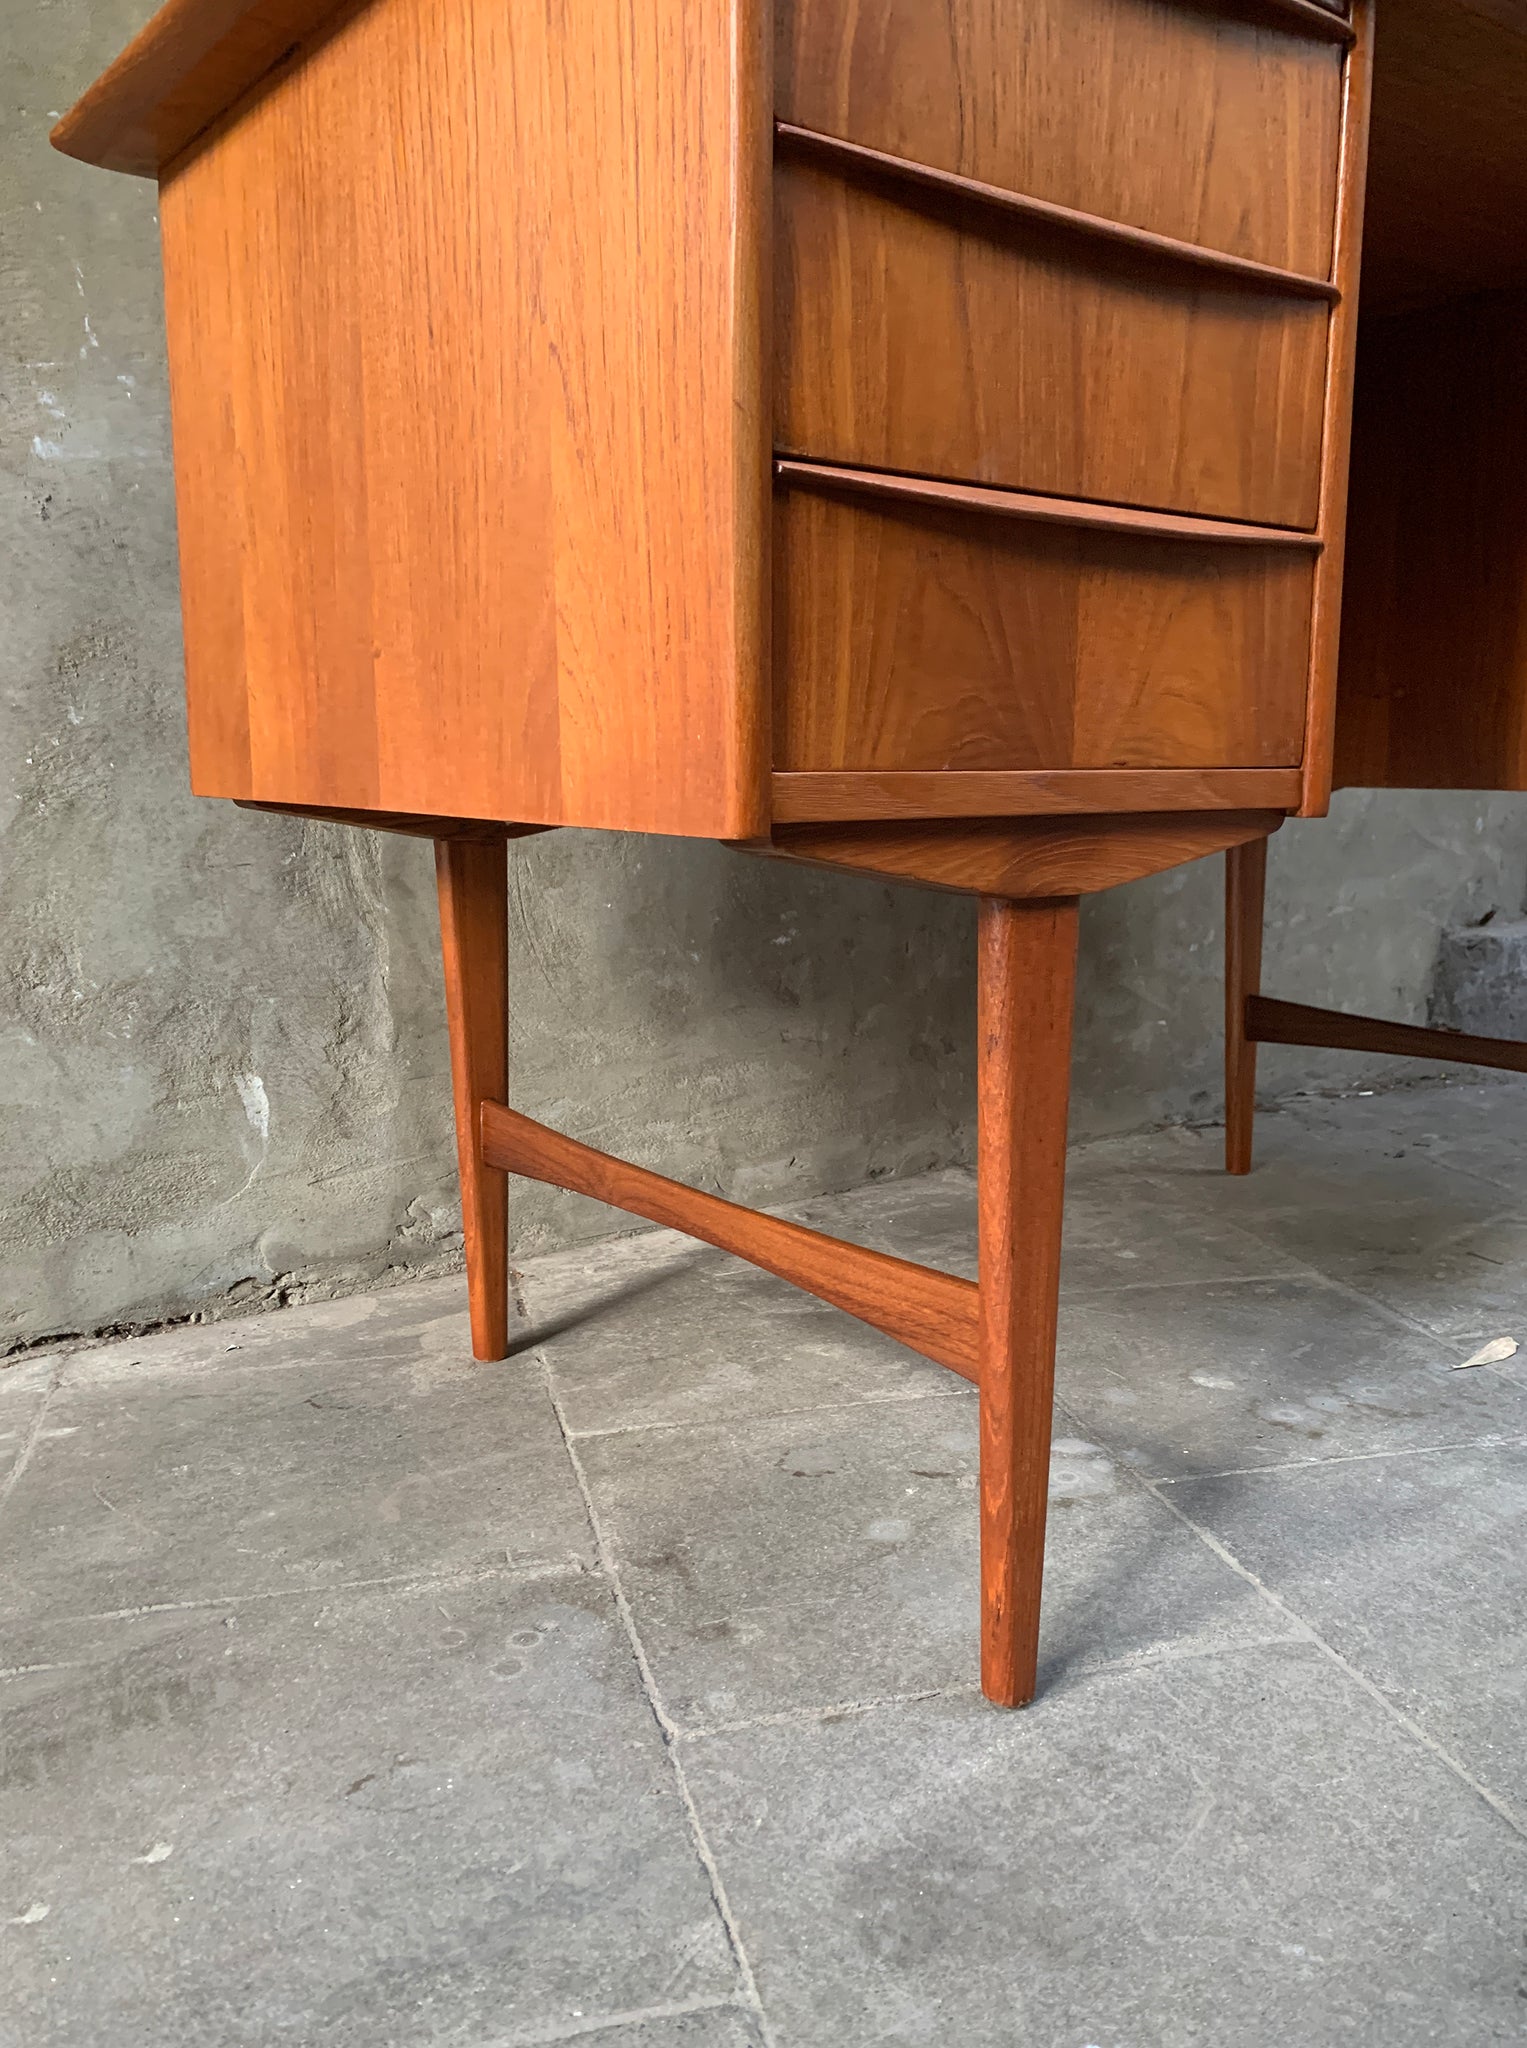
908,436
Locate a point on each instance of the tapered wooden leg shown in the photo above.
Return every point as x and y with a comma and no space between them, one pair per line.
473,880
1027,977
1245,901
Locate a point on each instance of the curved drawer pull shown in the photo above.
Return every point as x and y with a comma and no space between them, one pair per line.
1242,270
1045,511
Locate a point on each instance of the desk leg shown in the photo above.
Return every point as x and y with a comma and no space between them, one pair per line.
1027,977
473,880
1245,903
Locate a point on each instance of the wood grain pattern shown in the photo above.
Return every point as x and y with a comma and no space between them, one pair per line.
1020,858
464,314
1039,511
1447,172
1336,433
473,881
1245,901
912,334
1197,122
934,1313
831,151
1433,687
991,793
1270,1021
909,638
1025,995
189,63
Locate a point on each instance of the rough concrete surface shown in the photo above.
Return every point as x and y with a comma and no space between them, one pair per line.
222,1057
624,1692
1481,979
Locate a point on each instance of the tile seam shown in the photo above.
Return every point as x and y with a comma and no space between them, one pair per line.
667,1728
1408,1725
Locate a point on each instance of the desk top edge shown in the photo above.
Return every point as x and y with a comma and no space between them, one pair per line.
193,59
187,65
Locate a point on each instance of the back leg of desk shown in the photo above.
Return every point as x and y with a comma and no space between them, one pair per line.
1245,905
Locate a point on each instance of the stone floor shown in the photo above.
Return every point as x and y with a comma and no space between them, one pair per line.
625,1692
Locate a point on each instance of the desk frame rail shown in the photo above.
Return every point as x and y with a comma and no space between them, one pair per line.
1252,1019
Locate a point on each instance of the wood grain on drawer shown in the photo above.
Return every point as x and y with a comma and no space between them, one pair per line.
922,333
1211,126
908,637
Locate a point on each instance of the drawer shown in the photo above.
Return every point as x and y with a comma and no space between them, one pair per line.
917,330
910,636
1211,125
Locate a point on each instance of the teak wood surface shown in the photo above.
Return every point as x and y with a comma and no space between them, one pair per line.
473,369
1270,1021
934,1313
1182,120
911,636
1021,858
1036,508
1447,169
473,881
1325,624
1434,648
435,547
1026,974
986,793
916,333
1140,244
1245,901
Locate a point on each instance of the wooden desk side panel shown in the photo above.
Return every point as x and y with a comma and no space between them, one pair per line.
464,309
1433,680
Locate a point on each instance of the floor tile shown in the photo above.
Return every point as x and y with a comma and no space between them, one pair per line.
354,1462
318,1721
1339,1208
1224,1852
435,1814
1415,1569
1467,1283
1132,1232
669,1333
1478,1128
1214,1378
799,1561
730,2029
23,1390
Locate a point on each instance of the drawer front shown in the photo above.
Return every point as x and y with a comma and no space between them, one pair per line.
1211,127
907,637
923,334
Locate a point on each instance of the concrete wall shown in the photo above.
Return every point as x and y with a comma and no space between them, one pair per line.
222,1059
